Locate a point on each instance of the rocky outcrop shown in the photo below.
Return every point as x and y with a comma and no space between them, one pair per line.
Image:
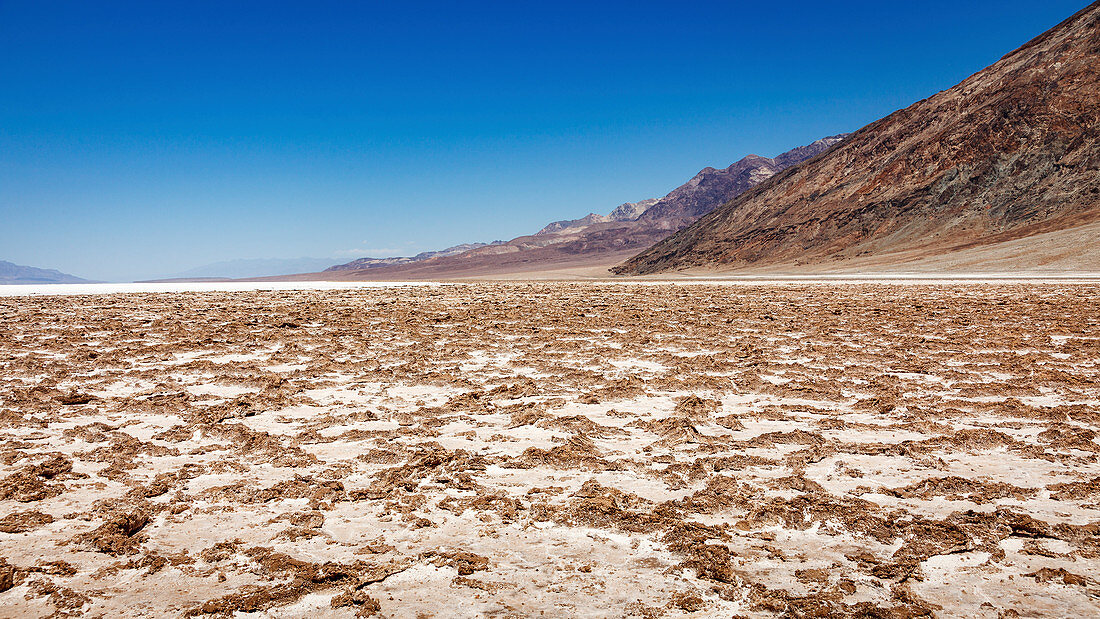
630,211
1008,153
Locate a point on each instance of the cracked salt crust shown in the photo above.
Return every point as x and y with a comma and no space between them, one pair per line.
580,461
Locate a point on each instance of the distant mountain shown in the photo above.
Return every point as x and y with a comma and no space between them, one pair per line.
258,267
18,274
703,193
629,211
710,187
595,239
374,263
1011,153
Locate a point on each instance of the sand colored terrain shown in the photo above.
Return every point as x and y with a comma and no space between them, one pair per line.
1059,252
1073,252
552,449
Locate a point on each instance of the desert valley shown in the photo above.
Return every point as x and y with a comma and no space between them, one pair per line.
860,378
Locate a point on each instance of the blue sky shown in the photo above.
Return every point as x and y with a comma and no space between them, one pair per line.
141,139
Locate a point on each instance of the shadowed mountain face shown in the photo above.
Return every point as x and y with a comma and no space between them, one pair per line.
18,274
1008,153
596,239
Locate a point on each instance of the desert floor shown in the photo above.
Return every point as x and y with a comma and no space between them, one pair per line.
553,449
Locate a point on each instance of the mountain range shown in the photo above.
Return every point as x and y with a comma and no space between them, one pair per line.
1004,165
11,273
594,241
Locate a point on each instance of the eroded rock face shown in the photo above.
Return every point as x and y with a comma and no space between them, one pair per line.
1008,153
555,449
711,188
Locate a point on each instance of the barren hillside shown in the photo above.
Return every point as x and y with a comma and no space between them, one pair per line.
1009,153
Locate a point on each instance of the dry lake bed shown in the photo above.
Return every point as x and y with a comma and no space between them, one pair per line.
553,449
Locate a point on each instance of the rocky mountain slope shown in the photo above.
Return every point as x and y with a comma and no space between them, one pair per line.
11,273
711,188
594,239
1010,152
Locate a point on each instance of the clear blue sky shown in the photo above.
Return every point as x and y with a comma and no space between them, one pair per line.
145,138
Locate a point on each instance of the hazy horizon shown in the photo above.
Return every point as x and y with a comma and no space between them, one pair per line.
144,140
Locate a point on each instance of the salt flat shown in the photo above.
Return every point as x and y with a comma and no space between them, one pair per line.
20,290
556,449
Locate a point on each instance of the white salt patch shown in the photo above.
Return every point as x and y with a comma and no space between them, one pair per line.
19,290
